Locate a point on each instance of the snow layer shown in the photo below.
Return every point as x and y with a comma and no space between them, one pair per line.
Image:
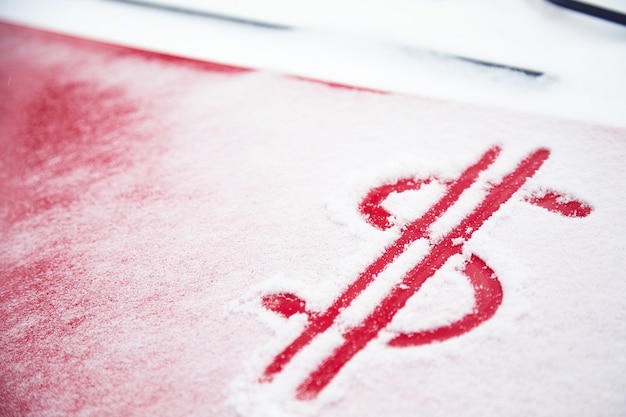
147,213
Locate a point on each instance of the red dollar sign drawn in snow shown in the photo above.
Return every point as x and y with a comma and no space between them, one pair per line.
487,288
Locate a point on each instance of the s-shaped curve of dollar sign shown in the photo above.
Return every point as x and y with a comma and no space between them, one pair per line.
487,288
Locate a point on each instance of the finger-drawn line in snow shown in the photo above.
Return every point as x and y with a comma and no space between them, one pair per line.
485,283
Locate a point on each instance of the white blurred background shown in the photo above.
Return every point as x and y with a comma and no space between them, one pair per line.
421,47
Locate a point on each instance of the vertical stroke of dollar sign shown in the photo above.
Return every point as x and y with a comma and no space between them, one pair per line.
487,288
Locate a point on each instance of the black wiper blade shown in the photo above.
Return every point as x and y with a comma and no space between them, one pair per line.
209,15
591,10
265,25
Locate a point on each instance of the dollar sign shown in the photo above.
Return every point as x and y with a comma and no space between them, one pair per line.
487,289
